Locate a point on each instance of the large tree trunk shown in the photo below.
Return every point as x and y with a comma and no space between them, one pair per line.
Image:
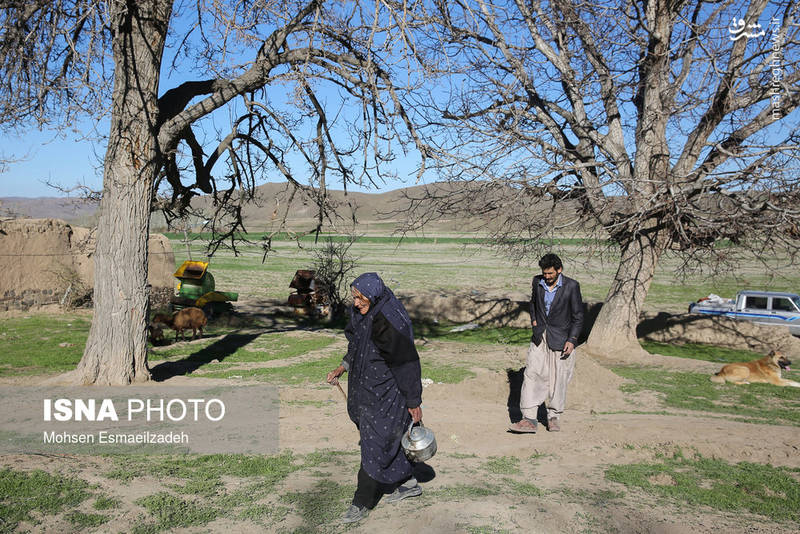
614,331
116,351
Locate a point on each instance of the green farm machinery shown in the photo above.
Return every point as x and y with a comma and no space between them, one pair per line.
196,288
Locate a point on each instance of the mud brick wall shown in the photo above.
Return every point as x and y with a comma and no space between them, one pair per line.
160,298
27,299
42,260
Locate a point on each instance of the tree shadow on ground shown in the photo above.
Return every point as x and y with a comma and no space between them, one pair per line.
219,350
461,309
684,328
276,314
515,379
318,505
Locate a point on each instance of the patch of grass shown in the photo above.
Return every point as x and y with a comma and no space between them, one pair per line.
185,350
445,373
241,497
261,348
461,456
502,465
145,528
324,457
313,403
591,524
485,529
757,403
593,496
279,346
32,345
120,474
262,512
171,511
204,470
200,486
22,493
698,351
464,491
104,502
523,489
299,373
84,520
636,412
503,335
321,505
202,477
761,489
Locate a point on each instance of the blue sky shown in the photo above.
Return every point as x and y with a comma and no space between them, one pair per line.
66,161
70,160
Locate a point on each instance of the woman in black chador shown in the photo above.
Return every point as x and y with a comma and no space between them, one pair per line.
384,392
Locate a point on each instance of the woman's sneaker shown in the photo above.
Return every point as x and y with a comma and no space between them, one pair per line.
354,514
404,491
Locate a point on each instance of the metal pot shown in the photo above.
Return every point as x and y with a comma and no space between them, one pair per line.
419,443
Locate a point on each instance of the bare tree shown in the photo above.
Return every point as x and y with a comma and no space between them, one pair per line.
333,265
67,59
662,126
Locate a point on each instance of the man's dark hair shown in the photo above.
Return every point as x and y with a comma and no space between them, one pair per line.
550,260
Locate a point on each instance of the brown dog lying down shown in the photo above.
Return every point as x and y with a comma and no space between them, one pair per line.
766,370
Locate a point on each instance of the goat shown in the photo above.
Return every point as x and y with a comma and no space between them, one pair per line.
181,320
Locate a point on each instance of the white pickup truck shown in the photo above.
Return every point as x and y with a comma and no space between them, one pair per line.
770,308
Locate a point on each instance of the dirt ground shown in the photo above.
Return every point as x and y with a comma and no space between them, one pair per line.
470,420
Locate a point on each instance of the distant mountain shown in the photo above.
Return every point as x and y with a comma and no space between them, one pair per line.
273,201
75,211
378,211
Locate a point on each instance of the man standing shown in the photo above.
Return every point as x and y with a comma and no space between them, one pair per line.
557,319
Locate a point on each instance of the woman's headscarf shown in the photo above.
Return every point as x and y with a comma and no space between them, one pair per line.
381,300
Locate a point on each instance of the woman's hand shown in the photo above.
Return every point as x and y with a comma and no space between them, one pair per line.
416,414
333,376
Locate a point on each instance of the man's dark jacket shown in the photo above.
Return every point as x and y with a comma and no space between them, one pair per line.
565,320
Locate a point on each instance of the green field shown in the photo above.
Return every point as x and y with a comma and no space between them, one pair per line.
465,264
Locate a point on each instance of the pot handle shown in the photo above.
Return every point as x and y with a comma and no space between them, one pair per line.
408,432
